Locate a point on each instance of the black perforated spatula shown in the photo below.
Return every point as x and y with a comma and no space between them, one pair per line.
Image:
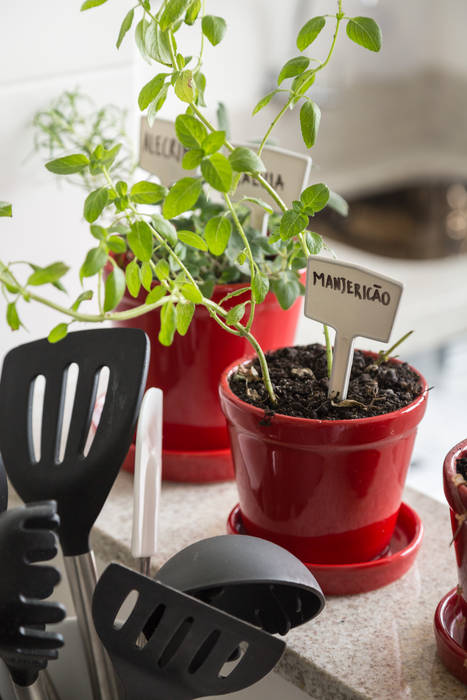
79,480
188,651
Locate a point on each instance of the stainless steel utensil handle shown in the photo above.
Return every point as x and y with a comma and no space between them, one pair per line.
37,691
82,577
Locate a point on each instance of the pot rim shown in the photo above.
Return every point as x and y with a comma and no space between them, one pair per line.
297,420
456,494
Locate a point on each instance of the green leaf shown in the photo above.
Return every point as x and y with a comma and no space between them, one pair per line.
310,116
365,32
213,28
295,66
309,32
292,223
49,274
91,3
98,232
217,232
109,156
165,229
145,192
151,90
207,288
200,82
190,131
217,172
192,239
173,11
68,164
314,242
125,26
223,118
140,38
191,15
94,204
184,86
244,160
315,198
12,316
182,196
259,202
259,287
264,101
140,240
84,296
192,158
116,244
168,324
146,275
157,44
184,314
235,314
115,286
155,294
302,83
58,333
6,209
213,142
133,281
94,261
162,270
191,293
156,104
338,203
286,289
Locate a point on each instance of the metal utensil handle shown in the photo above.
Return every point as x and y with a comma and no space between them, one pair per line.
341,366
82,577
37,691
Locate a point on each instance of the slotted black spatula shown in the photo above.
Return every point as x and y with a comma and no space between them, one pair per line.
79,482
185,656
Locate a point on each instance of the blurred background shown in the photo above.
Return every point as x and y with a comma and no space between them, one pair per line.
393,140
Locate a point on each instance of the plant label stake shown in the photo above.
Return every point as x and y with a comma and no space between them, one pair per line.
160,152
355,302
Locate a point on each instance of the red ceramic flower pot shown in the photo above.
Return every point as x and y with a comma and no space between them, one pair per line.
196,446
455,490
328,491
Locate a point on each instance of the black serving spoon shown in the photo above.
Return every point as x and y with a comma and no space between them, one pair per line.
27,536
248,577
187,654
78,481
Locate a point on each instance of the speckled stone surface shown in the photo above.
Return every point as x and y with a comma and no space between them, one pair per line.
378,645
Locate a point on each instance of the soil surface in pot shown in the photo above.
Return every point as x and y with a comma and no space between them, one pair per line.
300,381
461,467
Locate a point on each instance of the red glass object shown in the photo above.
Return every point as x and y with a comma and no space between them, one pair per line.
328,491
195,440
349,579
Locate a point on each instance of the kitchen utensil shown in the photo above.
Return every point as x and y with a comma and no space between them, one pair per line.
253,579
26,537
78,481
184,657
147,479
356,302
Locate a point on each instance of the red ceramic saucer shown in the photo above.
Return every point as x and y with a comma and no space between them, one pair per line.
348,579
450,625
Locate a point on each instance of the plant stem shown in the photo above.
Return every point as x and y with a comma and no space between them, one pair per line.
328,348
274,122
246,243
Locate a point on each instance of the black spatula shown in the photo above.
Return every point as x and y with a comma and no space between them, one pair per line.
191,642
26,537
79,482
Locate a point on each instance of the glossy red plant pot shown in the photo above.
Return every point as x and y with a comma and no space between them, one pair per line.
455,490
195,436
328,491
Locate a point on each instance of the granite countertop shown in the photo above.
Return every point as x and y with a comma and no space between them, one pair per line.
377,645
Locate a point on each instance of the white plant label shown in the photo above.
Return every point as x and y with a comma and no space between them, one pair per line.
287,172
355,302
160,152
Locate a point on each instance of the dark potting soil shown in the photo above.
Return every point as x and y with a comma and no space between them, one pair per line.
461,467
300,381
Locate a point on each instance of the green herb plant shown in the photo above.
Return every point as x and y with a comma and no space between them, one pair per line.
154,246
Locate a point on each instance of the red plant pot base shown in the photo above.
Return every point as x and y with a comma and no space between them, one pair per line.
349,579
450,632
